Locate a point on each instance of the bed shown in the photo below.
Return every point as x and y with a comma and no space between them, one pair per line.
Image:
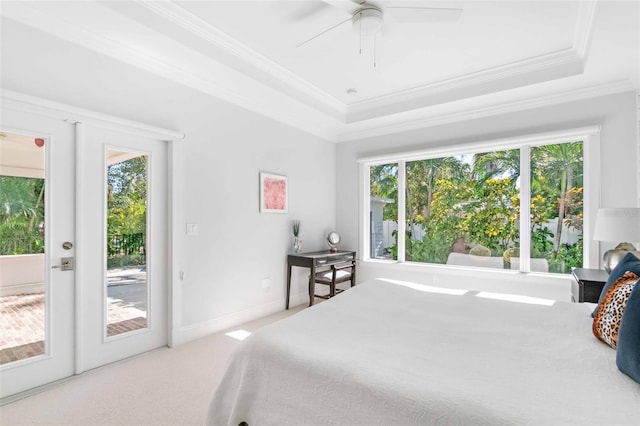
393,353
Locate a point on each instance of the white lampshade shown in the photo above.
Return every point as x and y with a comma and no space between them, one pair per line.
618,225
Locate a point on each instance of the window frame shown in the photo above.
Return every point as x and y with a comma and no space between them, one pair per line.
590,137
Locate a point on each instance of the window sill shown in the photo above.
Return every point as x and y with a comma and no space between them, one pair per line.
463,270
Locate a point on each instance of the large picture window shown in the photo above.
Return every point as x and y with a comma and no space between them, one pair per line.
467,209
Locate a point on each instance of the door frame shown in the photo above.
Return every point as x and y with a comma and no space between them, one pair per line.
11,100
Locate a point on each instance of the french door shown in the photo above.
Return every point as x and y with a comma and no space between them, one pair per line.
104,287
123,227
38,295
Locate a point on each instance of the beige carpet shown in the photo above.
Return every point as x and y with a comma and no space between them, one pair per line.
163,387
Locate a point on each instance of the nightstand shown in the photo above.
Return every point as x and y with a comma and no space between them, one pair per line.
587,284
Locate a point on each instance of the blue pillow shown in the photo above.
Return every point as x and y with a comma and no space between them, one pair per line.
628,263
628,350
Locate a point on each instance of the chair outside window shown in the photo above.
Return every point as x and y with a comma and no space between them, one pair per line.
339,273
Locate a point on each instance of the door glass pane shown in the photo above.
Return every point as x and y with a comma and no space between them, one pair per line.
127,295
556,207
22,248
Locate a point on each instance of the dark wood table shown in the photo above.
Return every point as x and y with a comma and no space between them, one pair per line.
313,261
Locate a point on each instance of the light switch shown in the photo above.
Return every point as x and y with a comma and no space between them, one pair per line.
192,229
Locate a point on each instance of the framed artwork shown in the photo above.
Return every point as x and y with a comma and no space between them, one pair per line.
273,193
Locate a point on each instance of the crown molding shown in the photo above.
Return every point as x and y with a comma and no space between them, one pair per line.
194,70
16,101
305,90
509,76
584,27
430,117
553,65
533,70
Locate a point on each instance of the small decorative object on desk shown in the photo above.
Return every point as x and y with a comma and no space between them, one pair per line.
297,242
333,239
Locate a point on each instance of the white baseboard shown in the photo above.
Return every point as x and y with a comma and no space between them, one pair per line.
225,322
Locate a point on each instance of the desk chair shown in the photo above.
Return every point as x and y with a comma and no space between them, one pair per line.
339,273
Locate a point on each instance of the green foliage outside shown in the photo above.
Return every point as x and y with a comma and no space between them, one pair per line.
21,215
127,212
478,200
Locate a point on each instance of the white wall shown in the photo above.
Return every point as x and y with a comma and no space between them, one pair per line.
237,247
619,156
215,177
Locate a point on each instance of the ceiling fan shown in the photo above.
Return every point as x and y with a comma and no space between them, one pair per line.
369,16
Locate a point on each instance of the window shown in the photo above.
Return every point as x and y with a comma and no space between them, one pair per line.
465,204
383,211
557,191
519,208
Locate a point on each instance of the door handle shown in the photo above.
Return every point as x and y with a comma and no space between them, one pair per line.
66,264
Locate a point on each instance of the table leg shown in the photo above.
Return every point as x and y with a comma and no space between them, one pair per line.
353,275
288,284
312,284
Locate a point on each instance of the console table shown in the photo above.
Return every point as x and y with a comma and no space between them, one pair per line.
314,260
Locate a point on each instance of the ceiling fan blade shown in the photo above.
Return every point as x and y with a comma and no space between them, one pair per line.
349,6
323,32
303,10
412,14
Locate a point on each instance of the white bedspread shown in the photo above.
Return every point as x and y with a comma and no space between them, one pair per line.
386,354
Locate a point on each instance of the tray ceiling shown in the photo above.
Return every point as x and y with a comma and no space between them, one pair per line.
246,52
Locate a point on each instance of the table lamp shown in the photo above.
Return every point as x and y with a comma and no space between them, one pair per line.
618,224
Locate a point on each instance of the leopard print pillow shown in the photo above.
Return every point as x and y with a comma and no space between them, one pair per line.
606,323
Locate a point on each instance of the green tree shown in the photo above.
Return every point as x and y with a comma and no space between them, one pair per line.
480,201
383,181
127,211
491,218
21,214
127,196
445,223
422,179
497,164
555,170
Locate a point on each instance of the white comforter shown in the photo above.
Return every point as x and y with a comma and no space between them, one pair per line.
386,354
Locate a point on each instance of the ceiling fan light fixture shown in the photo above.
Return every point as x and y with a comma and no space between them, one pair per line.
368,20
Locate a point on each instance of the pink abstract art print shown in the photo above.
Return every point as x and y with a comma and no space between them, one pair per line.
273,193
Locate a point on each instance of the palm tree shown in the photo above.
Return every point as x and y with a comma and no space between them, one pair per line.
495,164
560,164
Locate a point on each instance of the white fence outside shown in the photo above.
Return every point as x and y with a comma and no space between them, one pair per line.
569,235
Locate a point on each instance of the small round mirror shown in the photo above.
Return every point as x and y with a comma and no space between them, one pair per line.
333,239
